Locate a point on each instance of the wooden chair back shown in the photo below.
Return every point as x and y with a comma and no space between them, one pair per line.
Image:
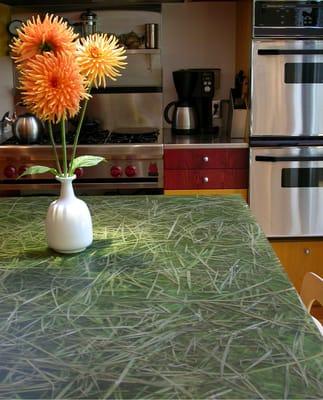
311,290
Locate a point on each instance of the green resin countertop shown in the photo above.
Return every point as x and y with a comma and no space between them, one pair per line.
178,297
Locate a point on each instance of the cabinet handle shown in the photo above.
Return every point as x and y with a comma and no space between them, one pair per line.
205,179
206,159
307,251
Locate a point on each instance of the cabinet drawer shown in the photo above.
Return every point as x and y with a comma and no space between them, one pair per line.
206,179
194,179
238,158
236,179
206,158
195,158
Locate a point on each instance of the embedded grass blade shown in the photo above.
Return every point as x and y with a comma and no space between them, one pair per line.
152,310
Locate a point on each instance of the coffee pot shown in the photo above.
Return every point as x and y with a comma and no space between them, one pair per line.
183,119
25,127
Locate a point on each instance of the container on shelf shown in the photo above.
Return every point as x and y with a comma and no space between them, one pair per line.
151,36
88,23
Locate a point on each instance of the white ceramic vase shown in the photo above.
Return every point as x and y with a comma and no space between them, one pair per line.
68,221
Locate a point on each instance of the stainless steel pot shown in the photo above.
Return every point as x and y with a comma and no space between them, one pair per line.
25,127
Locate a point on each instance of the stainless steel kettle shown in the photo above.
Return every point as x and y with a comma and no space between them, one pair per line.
26,127
183,120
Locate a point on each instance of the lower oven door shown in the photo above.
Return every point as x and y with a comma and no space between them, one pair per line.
286,190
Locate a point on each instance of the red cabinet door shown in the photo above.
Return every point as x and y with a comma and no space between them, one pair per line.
238,158
236,179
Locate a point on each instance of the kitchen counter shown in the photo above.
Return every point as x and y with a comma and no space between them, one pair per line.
199,140
178,297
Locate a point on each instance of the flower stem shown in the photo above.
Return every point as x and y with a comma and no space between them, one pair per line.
50,129
77,134
64,146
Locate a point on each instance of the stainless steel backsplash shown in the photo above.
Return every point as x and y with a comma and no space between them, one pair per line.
124,110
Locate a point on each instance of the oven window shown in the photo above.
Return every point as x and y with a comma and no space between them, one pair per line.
302,177
304,73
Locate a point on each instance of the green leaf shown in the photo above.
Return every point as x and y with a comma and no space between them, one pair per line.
86,161
38,169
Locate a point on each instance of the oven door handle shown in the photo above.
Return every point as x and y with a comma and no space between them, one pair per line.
289,158
275,52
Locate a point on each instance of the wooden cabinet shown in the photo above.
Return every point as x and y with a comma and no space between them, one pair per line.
243,35
299,256
4,36
206,169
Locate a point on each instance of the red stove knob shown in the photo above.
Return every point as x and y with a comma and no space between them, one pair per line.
10,171
152,169
21,170
130,170
79,172
115,171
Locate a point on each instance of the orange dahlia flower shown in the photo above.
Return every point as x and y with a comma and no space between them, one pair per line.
52,86
99,56
38,37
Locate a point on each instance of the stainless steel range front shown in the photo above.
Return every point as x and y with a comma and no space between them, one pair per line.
286,134
124,128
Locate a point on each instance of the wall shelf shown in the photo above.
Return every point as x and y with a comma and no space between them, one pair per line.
127,89
149,53
142,51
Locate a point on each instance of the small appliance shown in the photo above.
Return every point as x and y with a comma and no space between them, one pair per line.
184,119
193,110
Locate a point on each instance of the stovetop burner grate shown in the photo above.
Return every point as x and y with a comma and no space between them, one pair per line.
117,137
131,135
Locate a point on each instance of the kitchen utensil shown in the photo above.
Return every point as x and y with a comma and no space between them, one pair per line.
25,127
183,119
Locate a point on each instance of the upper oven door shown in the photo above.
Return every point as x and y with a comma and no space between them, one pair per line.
286,190
287,88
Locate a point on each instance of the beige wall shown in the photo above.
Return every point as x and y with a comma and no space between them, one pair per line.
199,35
6,84
193,35
6,99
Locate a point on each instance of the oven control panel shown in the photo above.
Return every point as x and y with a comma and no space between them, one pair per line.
288,18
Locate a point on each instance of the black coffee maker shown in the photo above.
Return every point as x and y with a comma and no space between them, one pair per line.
193,110
184,117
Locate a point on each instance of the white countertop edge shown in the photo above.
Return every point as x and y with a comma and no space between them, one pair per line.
206,145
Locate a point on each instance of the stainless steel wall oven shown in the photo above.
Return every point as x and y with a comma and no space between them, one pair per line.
286,133
287,89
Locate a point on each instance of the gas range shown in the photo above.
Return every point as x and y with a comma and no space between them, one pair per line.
134,161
